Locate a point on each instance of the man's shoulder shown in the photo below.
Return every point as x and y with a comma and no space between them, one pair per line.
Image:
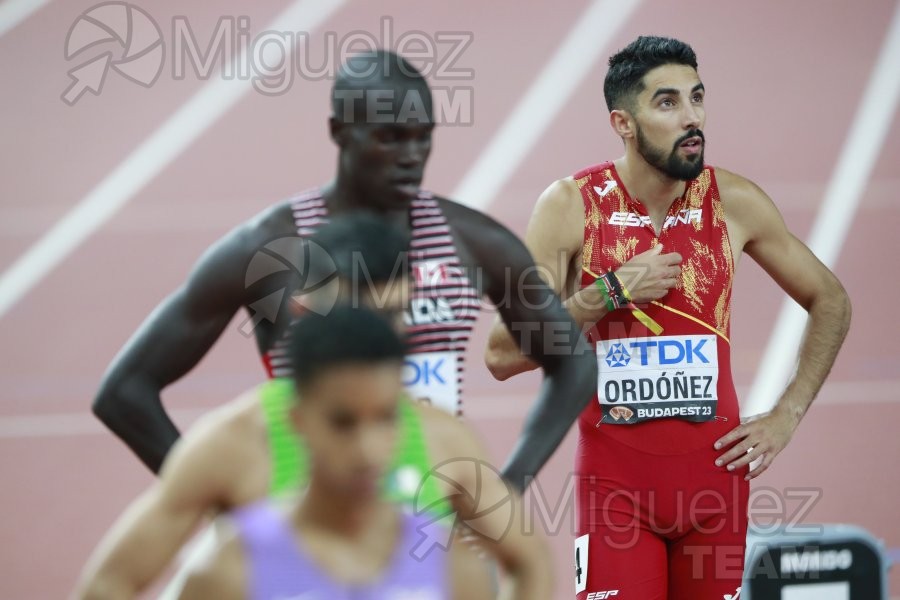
592,169
731,184
272,222
239,246
249,236
469,223
278,220
447,436
232,425
455,210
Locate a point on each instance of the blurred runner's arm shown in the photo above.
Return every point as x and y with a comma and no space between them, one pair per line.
542,327
194,480
222,576
173,339
554,238
492,510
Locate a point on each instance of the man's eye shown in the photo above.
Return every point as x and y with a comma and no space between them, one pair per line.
342,423
386,136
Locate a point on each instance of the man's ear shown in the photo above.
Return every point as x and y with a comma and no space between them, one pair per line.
622,123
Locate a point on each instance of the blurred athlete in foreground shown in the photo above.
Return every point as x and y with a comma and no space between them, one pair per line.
342,539
248,449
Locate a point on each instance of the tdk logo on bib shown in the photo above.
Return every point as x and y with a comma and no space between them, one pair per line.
617,356
667,351
426,372
432,377
656,377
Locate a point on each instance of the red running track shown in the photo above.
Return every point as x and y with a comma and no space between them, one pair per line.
784,81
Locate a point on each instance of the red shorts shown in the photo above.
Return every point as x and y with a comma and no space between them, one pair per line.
658,526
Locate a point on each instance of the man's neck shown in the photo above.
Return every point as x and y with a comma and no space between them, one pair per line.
344,515
646,184
342,195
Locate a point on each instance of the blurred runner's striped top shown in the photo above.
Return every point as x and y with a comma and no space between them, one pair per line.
443,305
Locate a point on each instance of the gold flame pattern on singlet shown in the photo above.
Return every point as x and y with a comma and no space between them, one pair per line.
695,194
591,219
623,249
704,267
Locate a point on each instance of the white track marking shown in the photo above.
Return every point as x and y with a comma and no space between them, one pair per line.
13,12
848,183
546,97
163,146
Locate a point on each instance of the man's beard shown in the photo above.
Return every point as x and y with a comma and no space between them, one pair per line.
673,165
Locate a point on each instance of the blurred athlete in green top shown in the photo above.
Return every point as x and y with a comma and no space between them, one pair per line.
246,450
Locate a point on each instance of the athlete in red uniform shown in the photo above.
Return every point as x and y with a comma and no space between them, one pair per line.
644,250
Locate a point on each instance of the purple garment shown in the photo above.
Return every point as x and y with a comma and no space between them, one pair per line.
279,568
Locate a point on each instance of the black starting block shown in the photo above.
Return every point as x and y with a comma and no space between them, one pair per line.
814,562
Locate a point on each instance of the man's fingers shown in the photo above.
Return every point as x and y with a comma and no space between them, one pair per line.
737,452
747,457
759,470
672,258
731,437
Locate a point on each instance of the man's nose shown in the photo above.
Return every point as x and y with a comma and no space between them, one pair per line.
692,117
412,153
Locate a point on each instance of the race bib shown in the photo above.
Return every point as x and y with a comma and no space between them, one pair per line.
432,377
658,377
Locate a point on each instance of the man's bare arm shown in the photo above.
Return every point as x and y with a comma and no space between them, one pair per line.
542,327
195,480
172,341
222,576
524,555
762,234
554,237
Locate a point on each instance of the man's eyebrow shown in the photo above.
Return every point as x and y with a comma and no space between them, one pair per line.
674,92
664,92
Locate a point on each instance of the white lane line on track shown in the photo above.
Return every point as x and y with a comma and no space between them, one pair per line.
13,12
848,183
546,97
163,146
484,406
542,102
72,424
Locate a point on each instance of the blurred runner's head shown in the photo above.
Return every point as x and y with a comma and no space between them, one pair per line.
348,375
371,263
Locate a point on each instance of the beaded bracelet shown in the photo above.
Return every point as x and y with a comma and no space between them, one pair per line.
617,296
604,287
